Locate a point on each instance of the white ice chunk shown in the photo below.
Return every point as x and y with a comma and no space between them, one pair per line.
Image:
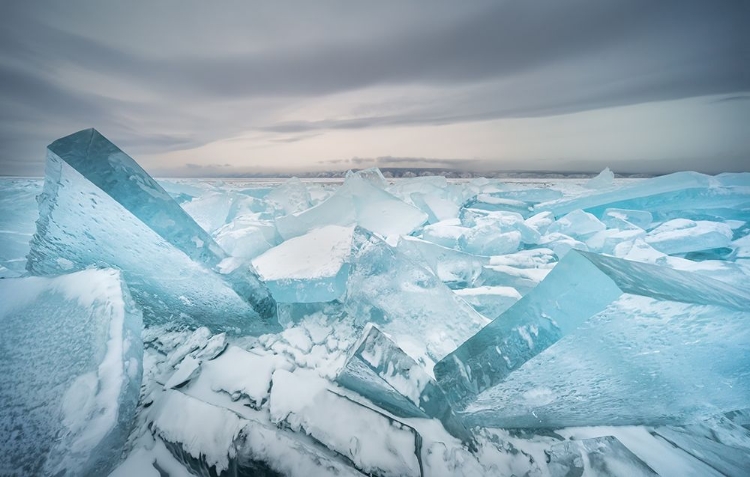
308,268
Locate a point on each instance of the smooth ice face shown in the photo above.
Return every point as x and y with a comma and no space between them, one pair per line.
577,224
120,177
533,324
422,315
379,370
290,197
310,268
71,354
454,268
18,208
580,286
490,301
168,267
653,362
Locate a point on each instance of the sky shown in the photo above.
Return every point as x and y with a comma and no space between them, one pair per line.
205,89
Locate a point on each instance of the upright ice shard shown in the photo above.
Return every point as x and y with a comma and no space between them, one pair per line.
99,207
71,354
579,287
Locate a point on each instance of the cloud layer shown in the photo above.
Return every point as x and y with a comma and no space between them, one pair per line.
180,83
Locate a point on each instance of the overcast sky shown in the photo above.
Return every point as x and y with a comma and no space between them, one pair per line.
212,88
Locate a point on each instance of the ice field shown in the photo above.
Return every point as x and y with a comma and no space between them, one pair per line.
371,326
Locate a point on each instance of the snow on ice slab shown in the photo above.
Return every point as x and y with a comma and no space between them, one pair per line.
683,236
310,268
197,433
133,225
71,353
598,456
242,375
408,302
374,442
580,286
639,361
377,369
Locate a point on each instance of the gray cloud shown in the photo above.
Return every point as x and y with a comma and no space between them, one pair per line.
59,71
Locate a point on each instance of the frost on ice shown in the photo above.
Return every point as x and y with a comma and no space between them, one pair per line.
420,323
71,356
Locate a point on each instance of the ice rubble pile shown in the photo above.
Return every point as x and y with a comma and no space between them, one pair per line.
373,327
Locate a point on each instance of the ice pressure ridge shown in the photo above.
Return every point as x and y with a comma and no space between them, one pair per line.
416,320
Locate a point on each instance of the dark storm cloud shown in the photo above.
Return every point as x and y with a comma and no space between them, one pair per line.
503,59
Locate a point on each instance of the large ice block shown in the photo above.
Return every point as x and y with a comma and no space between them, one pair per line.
358,202
309,268
71,355
580,286
98,207
422,315
640,361
377,369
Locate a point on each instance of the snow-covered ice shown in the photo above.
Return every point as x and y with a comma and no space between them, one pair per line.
418,321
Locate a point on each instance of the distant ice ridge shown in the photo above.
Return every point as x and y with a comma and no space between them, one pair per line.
99,208
71,356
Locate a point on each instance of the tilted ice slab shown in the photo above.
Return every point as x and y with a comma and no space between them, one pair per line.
379,370
683,236
309,268
100,208
71,354
358,202
408,302
686,192
579,287
639,361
